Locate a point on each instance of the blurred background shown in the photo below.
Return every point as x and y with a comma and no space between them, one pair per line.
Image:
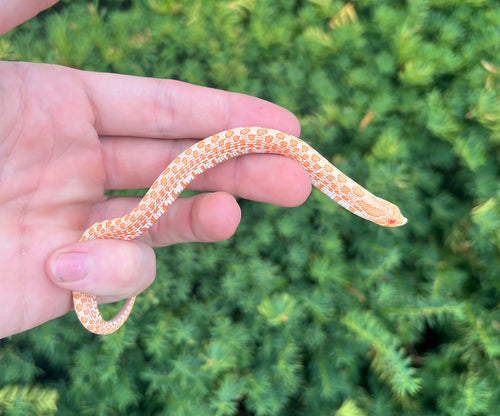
309,310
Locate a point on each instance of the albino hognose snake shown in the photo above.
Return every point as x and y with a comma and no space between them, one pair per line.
204,155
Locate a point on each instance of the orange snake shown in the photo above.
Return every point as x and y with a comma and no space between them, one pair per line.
204,155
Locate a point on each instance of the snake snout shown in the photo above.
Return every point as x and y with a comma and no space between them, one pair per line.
396,219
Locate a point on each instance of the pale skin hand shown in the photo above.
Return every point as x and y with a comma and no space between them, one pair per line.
66,136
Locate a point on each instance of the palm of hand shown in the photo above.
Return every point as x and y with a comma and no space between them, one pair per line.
52,175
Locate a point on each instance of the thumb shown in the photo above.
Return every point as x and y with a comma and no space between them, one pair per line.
109,269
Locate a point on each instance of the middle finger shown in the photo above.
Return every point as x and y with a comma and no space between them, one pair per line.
266,178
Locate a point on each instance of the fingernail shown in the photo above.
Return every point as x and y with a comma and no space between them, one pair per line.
71,266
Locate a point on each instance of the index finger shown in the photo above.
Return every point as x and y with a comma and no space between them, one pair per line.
146,107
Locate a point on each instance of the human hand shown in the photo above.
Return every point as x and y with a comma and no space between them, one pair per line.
68,135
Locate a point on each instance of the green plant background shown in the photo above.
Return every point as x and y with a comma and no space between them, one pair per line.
310,310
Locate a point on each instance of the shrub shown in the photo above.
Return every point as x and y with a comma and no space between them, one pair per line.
310,310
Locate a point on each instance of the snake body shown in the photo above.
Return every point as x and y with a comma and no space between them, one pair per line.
206,154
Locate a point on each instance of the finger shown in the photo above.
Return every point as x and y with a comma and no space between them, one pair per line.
203,218
109,269
266,178
146,107
13,13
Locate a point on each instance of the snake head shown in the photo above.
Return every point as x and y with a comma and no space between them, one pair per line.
392,218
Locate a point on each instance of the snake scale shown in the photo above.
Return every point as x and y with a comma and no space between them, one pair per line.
204,155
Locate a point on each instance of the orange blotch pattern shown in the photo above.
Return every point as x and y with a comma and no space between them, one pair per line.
204,155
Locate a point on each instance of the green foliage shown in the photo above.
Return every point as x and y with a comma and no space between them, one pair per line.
305,311
28,400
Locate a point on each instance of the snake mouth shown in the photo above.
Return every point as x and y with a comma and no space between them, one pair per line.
392,216
397,221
